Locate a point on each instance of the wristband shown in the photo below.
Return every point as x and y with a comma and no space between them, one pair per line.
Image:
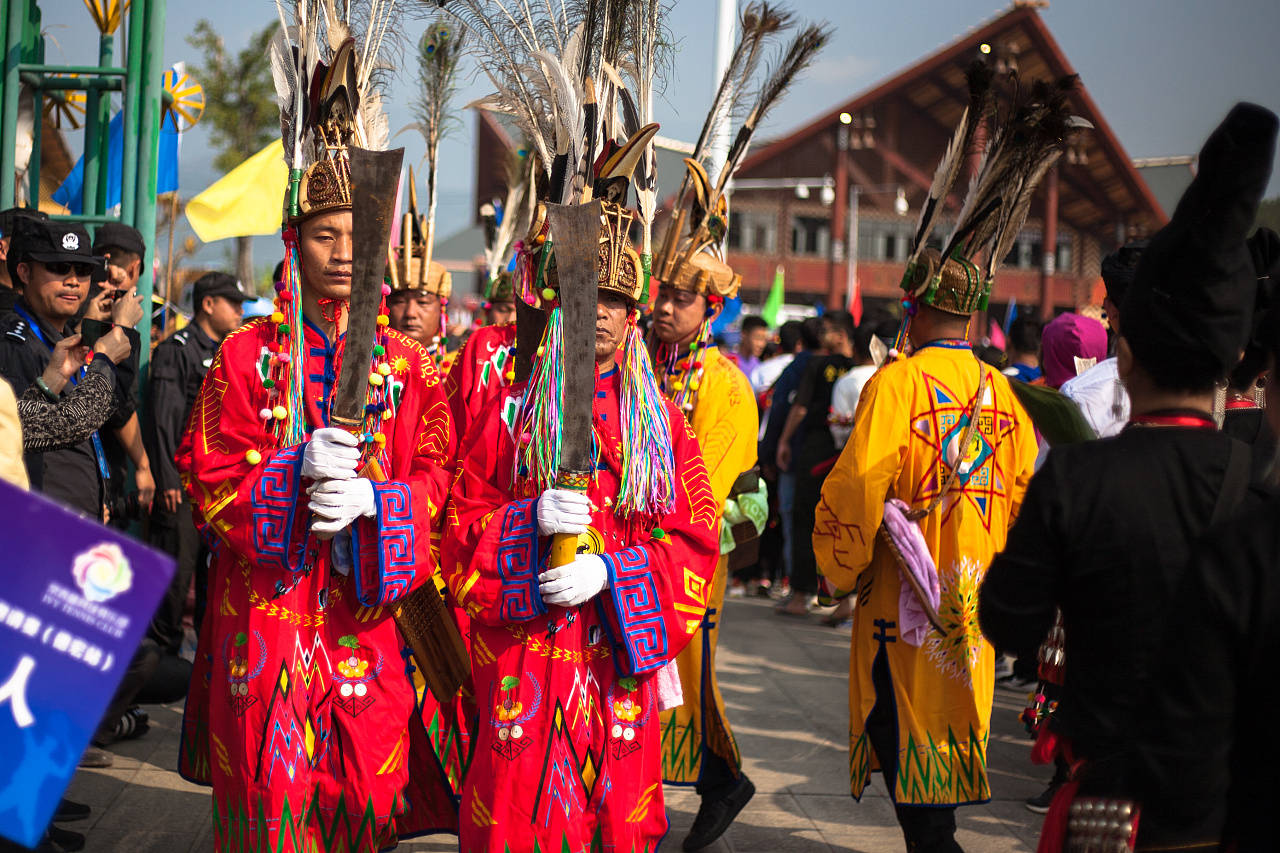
46,390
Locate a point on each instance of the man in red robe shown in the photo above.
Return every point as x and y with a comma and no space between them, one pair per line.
569,663
302,712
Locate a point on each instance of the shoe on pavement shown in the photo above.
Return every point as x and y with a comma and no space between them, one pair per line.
133,723
1040,802
94,757
715,815
69,810
64,839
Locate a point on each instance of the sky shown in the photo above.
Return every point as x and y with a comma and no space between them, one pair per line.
1163,72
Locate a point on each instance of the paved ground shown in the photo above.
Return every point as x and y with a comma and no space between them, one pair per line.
785,683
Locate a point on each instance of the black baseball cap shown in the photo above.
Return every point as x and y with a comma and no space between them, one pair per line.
49,242
117,235
9,218
218,284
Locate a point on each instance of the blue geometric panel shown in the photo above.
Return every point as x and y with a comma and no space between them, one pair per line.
518,562
273,499
638,609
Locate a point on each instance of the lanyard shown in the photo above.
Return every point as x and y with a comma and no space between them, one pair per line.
99,455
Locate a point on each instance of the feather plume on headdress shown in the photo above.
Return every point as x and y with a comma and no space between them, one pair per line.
511,215
576,77
708,216
328,101
1022,146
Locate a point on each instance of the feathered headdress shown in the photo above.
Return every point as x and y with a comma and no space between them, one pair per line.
577,80
1023,144
323,80
694,260
503,219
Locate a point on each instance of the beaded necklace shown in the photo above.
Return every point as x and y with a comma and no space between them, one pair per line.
683,366
281,369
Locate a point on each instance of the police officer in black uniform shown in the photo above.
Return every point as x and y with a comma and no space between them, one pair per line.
53,264
178,366
8,221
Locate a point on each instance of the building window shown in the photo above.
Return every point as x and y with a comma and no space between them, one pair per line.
810,235
1062,263
890,252
753,231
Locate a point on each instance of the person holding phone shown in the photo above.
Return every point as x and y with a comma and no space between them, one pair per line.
52,264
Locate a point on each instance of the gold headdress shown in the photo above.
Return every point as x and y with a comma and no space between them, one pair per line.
694,261
327,102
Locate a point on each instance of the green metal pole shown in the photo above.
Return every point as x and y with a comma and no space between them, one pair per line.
93,127
16,13
148,158
37,135
104,129
132,108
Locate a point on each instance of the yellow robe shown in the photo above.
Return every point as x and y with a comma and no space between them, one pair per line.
725,420
942,689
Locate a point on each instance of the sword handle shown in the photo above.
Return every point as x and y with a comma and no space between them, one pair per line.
564,546
564,549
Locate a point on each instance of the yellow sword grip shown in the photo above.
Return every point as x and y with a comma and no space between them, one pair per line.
564,549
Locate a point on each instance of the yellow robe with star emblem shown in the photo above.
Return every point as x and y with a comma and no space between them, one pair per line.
942,690
725,420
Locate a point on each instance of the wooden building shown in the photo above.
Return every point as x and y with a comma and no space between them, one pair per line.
862,169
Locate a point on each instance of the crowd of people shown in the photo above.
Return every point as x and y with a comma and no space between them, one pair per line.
480,589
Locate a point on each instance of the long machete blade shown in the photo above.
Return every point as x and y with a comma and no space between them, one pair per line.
374,178
575,235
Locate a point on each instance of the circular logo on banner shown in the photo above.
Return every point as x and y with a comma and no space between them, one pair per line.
71,242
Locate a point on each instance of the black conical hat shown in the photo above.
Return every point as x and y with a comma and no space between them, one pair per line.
1187,314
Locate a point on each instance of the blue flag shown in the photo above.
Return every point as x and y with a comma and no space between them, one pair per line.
71,193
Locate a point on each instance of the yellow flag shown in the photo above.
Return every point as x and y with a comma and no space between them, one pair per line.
247,200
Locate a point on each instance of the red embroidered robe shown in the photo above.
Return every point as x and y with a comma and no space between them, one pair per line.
568,752
301,702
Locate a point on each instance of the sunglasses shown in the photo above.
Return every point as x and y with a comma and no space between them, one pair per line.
64,267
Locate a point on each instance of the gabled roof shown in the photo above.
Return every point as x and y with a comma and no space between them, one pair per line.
1099,186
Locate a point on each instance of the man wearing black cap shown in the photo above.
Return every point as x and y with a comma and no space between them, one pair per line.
1107,526
178,366
8,221
53,265
124,251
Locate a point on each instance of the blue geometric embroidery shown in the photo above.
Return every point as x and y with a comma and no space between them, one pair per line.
388,550
518,562
639,612
274,498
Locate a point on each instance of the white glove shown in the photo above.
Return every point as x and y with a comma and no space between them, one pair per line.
337,503
563,511
575,583
331,454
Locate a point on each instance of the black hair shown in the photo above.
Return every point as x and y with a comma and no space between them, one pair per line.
1119,267
811,332
992,355
841,321
278,273
789,335
1024,335
753,322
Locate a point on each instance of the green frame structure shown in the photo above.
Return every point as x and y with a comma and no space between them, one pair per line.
140,82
